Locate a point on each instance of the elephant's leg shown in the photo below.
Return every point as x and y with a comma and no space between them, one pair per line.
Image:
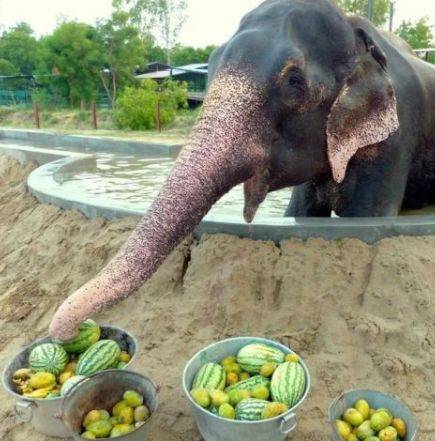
305,202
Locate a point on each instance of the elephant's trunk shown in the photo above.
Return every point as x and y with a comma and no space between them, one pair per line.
226,148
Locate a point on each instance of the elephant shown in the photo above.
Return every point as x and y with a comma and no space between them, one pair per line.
301,96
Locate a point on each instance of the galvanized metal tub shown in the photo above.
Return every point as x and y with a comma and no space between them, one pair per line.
102,391
376,401
44,414
215,428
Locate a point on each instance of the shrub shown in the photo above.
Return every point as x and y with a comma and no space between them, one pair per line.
136,108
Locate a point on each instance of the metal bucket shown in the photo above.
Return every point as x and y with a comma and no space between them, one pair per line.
376,401
215,428
102,391
44,414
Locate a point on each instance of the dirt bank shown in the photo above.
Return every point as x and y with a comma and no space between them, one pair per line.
361,316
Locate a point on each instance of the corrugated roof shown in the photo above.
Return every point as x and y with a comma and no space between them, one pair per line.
199,68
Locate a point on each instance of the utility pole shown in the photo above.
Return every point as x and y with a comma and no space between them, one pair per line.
370,10
392,11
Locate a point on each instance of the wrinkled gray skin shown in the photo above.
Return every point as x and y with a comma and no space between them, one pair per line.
301,95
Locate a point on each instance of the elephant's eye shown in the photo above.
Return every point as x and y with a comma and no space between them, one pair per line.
295,79
294,88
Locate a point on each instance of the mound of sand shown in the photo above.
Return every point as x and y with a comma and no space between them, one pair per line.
361,316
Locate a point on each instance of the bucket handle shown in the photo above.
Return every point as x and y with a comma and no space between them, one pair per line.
288,423
23,411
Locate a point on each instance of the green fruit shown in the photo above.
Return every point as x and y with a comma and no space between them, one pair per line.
89,333
292,358
118,407
210,376
344,429
364,431
260,392
236,396
363,408
380,420
101,429
125,357
288,383
133,398
69,384
227,411
48,357
252,357
88,435
114,420
244,376
104,414
126,415
268,369
250,409
232,368
228,360
257,380
370,438
218,398
388,434
232,378
353,437
273,410
353,417
121,365
141,413
100,356
41,380
91,417
387,411
121,429
201,397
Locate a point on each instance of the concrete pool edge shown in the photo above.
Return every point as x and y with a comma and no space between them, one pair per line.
44,182
44,186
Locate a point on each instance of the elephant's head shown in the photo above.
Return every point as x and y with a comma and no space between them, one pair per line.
296,92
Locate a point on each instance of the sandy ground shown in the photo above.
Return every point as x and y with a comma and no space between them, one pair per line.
361,316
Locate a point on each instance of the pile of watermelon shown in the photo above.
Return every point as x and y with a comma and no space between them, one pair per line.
54,368
261,382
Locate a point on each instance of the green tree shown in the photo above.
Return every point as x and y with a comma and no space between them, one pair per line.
7,68
139,108
123,50
19,46
182,55
163,18
418,34
75,57
380,9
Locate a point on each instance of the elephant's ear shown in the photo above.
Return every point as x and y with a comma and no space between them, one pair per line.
365,111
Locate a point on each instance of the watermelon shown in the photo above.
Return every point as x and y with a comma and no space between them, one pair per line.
210,376
250,383
252,357
250,409
48,357
288,383
69,384
100,356
89,333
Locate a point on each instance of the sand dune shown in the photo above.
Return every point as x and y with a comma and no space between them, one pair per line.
361,316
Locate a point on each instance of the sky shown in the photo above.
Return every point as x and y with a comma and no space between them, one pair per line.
208,22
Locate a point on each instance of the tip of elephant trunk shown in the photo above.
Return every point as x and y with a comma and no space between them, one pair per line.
249,214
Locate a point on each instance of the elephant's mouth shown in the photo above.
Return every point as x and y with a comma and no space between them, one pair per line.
255,192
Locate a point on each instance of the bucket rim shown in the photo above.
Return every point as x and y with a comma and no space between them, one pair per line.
386,395
286,349
77,386
40,340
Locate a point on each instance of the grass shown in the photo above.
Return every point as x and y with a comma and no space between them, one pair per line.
75,122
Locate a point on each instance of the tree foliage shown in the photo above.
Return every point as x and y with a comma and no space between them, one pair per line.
7,68
359,7
75,56
137,108
19,46
182,55
123,53
418,34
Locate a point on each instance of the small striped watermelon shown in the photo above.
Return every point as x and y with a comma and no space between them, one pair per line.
250,409
48,357
210,376
89,333
70,383
252,357
288,383
250,383
100,356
